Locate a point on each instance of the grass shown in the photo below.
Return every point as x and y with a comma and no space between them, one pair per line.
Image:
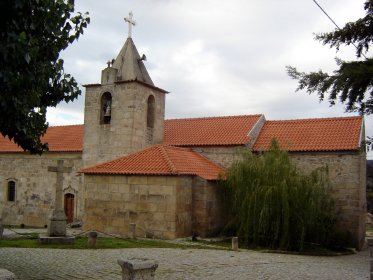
102,243
81,242
309,249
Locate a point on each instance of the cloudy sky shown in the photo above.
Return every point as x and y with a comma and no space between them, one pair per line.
215,57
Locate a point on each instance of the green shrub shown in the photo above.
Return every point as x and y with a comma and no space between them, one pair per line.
274,205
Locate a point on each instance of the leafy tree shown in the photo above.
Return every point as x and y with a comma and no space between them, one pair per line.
274,205
32,78
352,82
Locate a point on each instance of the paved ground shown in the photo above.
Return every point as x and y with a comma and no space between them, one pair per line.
181,264
178,264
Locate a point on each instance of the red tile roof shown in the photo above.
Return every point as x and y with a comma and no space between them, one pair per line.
67,138
213,131
328,134
160,160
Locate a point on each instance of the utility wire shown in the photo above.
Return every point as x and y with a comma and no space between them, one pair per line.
334,23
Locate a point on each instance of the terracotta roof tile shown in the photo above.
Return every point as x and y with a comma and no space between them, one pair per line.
67,138
213,131
328,134
160,160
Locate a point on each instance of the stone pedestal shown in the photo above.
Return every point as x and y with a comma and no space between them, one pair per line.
138,269
57,223
92,238
6,275
234,243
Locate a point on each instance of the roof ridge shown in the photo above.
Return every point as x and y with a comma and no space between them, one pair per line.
66,125
318,119
216,117
162,150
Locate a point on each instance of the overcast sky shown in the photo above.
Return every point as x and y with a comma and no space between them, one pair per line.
215,57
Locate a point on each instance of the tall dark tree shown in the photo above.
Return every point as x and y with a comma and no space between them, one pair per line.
352,82
32,77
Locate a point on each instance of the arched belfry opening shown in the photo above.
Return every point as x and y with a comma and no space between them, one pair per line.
106,105
150,118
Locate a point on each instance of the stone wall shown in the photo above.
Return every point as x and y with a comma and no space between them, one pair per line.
35,186
127,131
209,214
222,155
160,206
347,174
165,207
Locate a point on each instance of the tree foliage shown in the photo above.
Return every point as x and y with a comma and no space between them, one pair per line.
275,205
352,82
32,77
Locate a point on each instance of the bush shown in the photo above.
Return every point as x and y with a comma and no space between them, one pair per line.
274,205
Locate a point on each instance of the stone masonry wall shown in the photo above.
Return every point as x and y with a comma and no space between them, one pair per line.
347,174
208,208
127,131
35,186
160,206
222,155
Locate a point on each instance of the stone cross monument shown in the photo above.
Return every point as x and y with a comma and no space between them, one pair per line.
57,221
130,23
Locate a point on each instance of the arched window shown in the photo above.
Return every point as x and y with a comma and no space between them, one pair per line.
11,191
106,104
150,118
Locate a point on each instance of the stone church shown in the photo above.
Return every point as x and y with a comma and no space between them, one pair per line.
131,166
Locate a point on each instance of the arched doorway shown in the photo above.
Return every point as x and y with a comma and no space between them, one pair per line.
69,207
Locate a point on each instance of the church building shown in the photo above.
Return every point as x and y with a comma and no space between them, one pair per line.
131,166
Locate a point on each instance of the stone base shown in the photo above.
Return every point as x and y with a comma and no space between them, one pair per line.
57,223
6,275
45,239
138,269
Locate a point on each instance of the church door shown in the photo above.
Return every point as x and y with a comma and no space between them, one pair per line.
69,207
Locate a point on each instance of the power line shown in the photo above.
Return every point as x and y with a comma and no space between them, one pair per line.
326,14
334,23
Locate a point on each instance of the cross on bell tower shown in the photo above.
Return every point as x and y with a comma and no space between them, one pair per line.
130,23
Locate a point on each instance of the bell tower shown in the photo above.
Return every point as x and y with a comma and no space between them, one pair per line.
125,112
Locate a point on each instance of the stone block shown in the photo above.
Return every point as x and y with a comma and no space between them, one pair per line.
157,180
7,275
137,180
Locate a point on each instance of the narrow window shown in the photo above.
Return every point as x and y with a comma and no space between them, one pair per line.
106,104
150,118
11,191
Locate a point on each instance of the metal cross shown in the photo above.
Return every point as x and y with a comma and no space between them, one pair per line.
130,23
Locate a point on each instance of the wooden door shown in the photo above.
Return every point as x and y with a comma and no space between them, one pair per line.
69,207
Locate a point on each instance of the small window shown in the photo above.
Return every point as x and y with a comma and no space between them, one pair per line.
150,118
106,103
151,111
11,191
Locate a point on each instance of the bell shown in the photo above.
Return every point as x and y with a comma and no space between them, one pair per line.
107,112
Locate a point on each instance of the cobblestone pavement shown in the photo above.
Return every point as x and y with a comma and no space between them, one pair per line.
181,264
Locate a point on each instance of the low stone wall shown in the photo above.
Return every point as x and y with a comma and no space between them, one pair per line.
347,174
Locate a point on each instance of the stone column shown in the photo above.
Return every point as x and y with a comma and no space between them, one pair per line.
234,243
57,220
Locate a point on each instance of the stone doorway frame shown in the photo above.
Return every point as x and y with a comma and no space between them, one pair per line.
69,207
